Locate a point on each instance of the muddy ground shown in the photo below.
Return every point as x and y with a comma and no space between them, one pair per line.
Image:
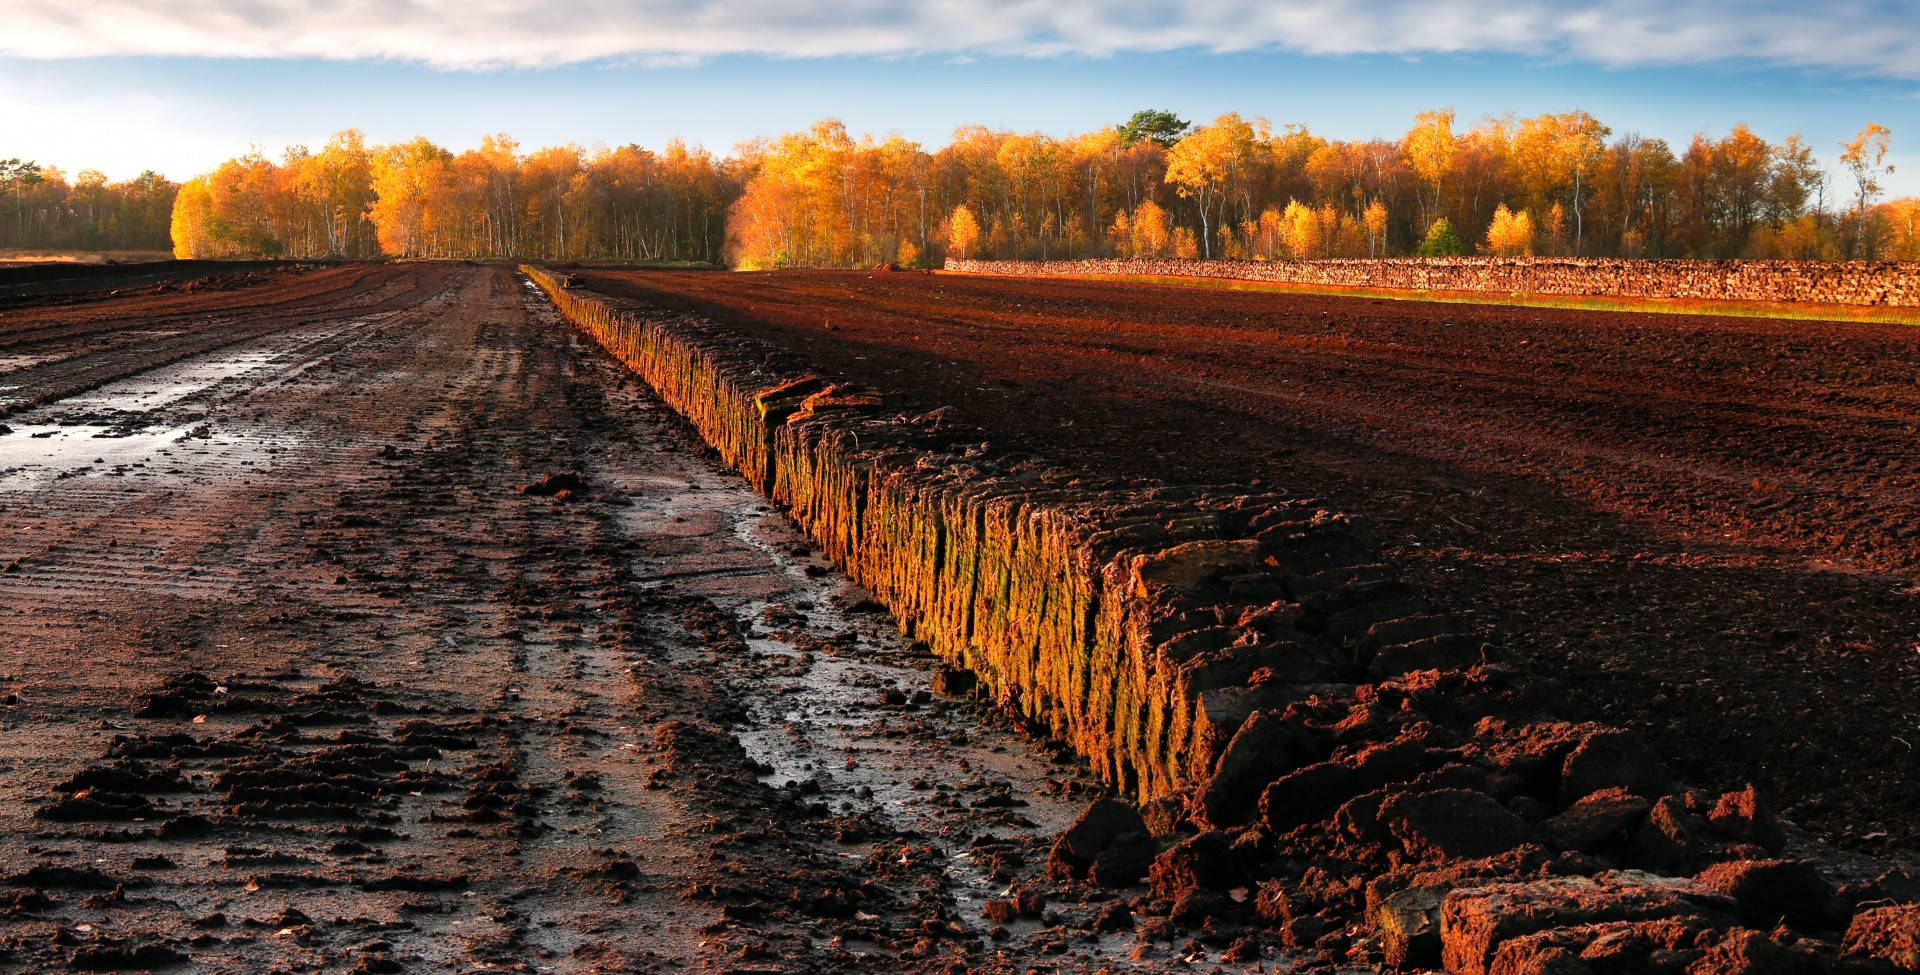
1707,528
295,676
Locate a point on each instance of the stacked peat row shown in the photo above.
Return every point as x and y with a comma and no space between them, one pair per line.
1885,283
1295,722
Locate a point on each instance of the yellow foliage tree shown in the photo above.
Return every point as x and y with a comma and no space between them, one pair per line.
823,197
1511,234
192,214
1901,218
1430,148
1864,157
1556,229
1300,225
1271,238
334,188
1152,231
1201,165
1376,222
963,232
1184,246
1557,155
1120,235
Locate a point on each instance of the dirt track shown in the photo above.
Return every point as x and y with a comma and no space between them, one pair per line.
1706,526
294,676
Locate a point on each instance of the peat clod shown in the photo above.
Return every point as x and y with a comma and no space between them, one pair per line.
126,776
15,903
1888,934
96,806
1109,846
81,878
554,485
120,957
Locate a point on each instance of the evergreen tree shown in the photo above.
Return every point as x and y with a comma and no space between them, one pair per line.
1163,128
1442,241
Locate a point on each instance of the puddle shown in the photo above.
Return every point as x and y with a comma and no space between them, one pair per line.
839,701
171,384
33,456
129,429
167,385
14,363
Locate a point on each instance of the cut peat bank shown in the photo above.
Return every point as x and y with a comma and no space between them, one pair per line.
1318,743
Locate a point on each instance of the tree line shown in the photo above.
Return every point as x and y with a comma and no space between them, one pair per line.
1154,186
418,200
41,209
1552,185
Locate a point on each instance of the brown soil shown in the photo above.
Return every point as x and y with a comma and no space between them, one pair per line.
1706,527
295,676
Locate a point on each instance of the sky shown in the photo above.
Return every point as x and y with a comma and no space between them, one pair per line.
179,85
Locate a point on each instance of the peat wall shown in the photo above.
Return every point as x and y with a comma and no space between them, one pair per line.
1142,624
1324,753
1884,283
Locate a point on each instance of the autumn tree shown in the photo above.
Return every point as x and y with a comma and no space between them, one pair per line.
1901,218
411,183
963,232
1558,155
1430,150
1300,225
1631,203
191,224
825,197
1864,157
1152,231
337,183
240,209
1206,161
1510,234
1375,220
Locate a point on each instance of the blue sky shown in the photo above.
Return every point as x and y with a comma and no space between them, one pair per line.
181,102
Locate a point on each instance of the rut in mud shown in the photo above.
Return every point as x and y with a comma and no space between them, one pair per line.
370,618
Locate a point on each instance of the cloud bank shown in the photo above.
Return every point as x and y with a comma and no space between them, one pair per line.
1868,37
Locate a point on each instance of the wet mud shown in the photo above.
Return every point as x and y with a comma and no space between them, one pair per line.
296,675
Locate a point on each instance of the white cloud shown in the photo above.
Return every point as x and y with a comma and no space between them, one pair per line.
1871,37
150,131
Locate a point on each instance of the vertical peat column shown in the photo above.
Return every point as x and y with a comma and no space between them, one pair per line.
1142,624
